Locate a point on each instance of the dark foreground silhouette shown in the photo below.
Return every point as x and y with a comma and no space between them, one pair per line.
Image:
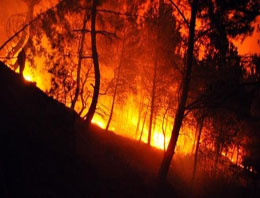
45,151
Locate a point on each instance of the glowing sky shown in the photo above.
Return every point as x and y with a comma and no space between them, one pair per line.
12,7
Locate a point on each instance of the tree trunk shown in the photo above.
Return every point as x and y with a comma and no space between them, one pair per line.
152,98
154,79
117,82
81,48
215,167
166,126
93,105
181,106
82,98
164,129
197,151
143,126
139,117
195,136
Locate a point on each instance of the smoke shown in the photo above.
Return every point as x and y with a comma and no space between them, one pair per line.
8,9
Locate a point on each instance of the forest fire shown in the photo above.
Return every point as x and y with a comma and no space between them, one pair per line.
164,73
28,75
99,122
28,78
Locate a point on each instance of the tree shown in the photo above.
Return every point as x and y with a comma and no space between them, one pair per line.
81,48
117,82
161,39
222,25
126,72
184,93
200,121
93,105
29,16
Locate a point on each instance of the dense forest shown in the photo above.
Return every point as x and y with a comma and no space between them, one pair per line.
163,72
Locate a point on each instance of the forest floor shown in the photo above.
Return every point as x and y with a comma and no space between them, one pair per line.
46,151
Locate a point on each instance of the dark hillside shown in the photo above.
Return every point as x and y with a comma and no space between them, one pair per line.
37,142
46,151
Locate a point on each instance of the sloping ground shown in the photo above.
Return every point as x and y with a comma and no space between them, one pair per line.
37,142
45,151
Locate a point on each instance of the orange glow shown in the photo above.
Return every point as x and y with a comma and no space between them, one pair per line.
250,44
125,119
98,122
28,77
158,140
28,74
36,75
125,116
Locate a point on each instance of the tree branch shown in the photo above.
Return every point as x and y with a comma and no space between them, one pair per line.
86,57
24,27
120,13
180,12
103,32
107,89
201,34
85,30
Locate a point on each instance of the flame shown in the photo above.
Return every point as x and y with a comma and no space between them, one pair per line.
124,123
158,140
125,118
28,77
28,73
98,121
36,75
127,129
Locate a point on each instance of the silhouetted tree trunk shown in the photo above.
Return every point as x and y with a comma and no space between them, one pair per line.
164,129
166,126
141,134
184,93
82,98
152,98
116,86
139,117
195,141
93,105
201,121
153,93
81,48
